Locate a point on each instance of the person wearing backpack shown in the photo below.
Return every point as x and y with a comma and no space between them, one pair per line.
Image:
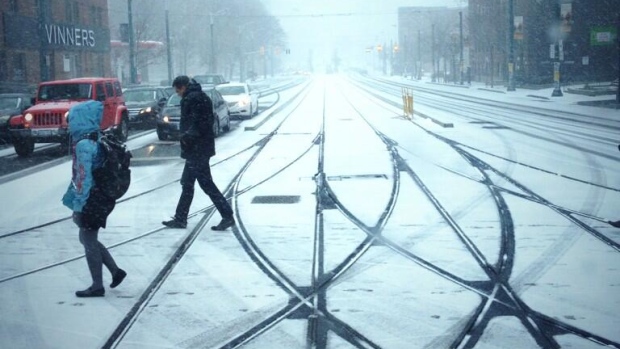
88,202
197,148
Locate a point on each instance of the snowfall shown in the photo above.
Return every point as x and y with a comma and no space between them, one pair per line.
479,222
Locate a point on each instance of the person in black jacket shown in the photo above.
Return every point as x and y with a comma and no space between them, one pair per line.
197,148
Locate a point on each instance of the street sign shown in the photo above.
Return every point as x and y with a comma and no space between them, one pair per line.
561,50
585,60
602,36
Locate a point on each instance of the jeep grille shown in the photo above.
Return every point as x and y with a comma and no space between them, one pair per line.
47,119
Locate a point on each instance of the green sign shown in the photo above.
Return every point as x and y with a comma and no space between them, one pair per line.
603,36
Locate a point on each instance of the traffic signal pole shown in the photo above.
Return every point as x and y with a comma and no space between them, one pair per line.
132,47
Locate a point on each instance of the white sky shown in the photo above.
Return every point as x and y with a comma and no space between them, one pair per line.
348,25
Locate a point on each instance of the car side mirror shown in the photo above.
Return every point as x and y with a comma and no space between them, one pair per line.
162,101
33,101
101,98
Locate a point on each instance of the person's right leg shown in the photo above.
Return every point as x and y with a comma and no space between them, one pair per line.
187,196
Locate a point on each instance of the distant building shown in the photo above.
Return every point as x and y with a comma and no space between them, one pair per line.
585,28
49,40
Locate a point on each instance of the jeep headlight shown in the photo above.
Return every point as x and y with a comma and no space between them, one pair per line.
66,115
28,117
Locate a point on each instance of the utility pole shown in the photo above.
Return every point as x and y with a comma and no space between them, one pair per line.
419,62
168,48
212,63
132,46
434,78
511,46
618,40
461,57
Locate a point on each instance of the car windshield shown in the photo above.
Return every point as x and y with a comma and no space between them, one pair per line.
231,90
71,91
174,101
139,96
9,102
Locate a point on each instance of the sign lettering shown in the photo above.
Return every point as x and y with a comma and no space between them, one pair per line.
69,36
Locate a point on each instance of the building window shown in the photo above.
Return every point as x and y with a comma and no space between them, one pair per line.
3,67
19,67
76,12
72,11
13,6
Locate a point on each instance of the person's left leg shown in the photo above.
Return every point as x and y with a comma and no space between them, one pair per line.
94,259
205,180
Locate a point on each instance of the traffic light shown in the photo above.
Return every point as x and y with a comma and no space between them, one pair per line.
395,48
379,48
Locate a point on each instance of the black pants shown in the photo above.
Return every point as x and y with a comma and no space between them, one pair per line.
200,171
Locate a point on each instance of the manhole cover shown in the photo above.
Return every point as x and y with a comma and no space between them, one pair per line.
276,199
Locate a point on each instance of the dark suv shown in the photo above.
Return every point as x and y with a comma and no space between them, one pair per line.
11,104
168,123
144,104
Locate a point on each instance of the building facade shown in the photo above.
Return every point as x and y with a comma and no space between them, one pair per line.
578,34
44,40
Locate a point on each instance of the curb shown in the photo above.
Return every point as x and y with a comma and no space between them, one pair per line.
491,90
448,85
440,123
539,97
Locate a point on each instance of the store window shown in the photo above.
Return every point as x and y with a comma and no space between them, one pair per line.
19,67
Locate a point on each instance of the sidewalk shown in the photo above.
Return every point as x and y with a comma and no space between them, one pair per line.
521,95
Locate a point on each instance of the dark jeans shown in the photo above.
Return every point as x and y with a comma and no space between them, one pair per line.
97,255
200,171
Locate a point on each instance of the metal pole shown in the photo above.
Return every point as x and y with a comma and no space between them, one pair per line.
461,56
132,54
492,64
168,48
618,40
433,54
212,65
511,46
419,63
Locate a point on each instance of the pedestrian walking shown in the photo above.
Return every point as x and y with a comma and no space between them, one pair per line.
89,204
197,148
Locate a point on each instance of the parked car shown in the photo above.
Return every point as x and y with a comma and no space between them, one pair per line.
168,122
210,80
241,98
11,104
145,103
46,120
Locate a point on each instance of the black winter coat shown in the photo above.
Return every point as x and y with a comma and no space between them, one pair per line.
196,126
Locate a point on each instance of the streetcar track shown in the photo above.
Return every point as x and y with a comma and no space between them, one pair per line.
542,328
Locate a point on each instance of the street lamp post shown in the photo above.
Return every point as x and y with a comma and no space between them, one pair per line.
168,48
212,63
461,44
433,79
132,47
511,46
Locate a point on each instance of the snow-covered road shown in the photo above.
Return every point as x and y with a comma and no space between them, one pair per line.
356,228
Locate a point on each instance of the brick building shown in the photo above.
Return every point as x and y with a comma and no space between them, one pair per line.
585,29
43,40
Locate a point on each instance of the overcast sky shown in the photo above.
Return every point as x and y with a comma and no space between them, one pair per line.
346,25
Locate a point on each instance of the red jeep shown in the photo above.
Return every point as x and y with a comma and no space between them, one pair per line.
46,120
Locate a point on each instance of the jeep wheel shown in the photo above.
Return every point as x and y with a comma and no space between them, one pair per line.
216,127
24,147
122,132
